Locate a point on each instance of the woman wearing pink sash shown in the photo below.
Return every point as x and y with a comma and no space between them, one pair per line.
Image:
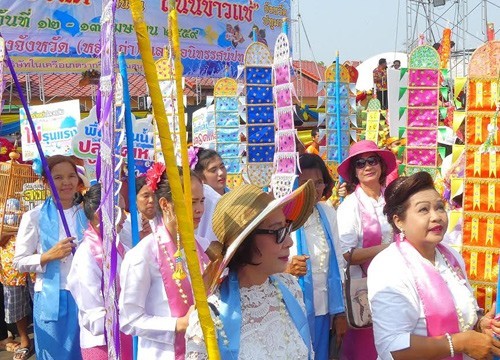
156,297
422,304
85,281
363,226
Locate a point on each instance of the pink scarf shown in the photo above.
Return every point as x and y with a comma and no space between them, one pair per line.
95,243
176,304
438,303
372,231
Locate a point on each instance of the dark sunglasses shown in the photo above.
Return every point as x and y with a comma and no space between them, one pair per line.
280,234
372,161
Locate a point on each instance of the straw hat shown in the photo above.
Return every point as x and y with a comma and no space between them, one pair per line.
240,211
363,147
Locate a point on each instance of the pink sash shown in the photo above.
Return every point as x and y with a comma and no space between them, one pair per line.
372,231
178,307
438,303
95,243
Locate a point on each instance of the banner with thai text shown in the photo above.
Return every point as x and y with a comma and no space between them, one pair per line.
213,33
55,124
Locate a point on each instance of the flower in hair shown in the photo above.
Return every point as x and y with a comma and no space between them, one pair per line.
193,156
153,175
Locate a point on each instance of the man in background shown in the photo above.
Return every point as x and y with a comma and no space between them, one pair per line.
380,81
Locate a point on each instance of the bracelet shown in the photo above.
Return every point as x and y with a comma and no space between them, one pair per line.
450,343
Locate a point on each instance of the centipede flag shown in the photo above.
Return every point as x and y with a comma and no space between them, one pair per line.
181,206
108,164
45,166
337,109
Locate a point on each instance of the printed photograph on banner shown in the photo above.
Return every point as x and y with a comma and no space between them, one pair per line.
55,125
213,34
203,125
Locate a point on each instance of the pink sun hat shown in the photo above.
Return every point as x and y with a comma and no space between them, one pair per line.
363,147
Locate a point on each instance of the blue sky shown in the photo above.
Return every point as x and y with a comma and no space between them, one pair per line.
360,29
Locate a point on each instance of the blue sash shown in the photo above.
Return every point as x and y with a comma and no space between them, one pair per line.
335,297
49,236
230,315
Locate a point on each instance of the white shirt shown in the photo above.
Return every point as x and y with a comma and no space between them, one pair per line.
144,308
126,232
84,282
397,310
29,248
267,330
204,229
319,252
351,228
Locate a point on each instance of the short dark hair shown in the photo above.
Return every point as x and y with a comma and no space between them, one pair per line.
400,190
314,132
397,61
382,61
352,170
313,161
243,255
90,201
140,182
204,157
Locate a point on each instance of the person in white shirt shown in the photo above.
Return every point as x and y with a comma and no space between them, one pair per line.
43,247
422,303
208,164
259,310
153,306
317,260
85,281
363,226
147,213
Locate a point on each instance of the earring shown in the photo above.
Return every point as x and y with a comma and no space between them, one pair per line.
402,235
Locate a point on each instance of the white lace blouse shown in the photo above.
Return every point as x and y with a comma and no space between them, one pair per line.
267,330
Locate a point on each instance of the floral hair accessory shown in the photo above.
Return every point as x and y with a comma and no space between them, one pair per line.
153,175
193,156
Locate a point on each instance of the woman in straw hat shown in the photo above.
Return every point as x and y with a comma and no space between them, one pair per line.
363,225
258,311
156,297
316,260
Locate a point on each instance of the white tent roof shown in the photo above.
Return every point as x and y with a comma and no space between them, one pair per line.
365,69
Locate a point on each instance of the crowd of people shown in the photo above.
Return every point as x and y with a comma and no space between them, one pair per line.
274,269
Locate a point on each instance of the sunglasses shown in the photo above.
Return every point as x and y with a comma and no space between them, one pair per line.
372,161
280,233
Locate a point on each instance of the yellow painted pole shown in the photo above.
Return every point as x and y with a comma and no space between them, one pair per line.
181,206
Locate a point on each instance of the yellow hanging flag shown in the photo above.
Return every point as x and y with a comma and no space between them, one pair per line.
459,86
474,229
491,196
479,94
490,231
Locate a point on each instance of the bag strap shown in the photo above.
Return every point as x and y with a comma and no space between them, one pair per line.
348,266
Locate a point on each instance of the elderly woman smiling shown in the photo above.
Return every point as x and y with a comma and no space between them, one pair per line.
422,304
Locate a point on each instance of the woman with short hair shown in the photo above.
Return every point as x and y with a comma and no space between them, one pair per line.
423,306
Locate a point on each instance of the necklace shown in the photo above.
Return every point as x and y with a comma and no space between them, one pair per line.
174,270
470,301
314,227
